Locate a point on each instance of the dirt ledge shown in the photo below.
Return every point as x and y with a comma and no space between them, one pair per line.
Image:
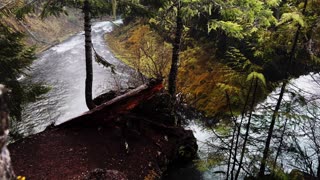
77,152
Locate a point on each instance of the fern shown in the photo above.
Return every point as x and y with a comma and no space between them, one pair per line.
292,16
257,75
232,29
273,3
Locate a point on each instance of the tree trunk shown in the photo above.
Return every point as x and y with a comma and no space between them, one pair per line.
175,53
276,110
233,135
239,128
270,131
88,54
280,143
6,170
247,128
114,9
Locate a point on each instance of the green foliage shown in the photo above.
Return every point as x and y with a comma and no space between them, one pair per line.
57,7
273,3
133,9
15,58
292,16
231,29
242,18
252,36
213,160
52,8
144,50
25,9
256,75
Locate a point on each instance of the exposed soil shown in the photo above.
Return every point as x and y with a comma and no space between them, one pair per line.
99,151
69,153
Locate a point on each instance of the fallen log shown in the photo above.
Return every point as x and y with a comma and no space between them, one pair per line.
117,106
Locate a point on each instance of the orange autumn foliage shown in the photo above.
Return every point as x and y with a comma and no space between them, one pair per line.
202,79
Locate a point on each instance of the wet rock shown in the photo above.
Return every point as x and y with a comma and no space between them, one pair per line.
186,148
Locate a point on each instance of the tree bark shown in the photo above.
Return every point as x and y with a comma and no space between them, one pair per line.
6,170
175,53
88,54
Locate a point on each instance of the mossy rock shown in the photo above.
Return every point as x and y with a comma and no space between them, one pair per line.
186,148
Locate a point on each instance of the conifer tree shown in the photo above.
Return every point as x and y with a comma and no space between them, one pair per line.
15,58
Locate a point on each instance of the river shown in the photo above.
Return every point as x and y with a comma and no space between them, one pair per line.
299,118
62,68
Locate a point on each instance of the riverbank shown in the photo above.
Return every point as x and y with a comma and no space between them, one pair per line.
50,31
44,33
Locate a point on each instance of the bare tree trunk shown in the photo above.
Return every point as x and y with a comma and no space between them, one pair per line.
239,128
6,170
270,131
175,53
88,54
247,128
280,144
276,110
233,135
281,138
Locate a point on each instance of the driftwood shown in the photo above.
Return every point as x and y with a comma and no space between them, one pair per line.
117,106
6,171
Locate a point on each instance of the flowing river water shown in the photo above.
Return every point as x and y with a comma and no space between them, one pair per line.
298,118
62,67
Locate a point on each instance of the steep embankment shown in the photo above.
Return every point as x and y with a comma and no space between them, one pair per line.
43,33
